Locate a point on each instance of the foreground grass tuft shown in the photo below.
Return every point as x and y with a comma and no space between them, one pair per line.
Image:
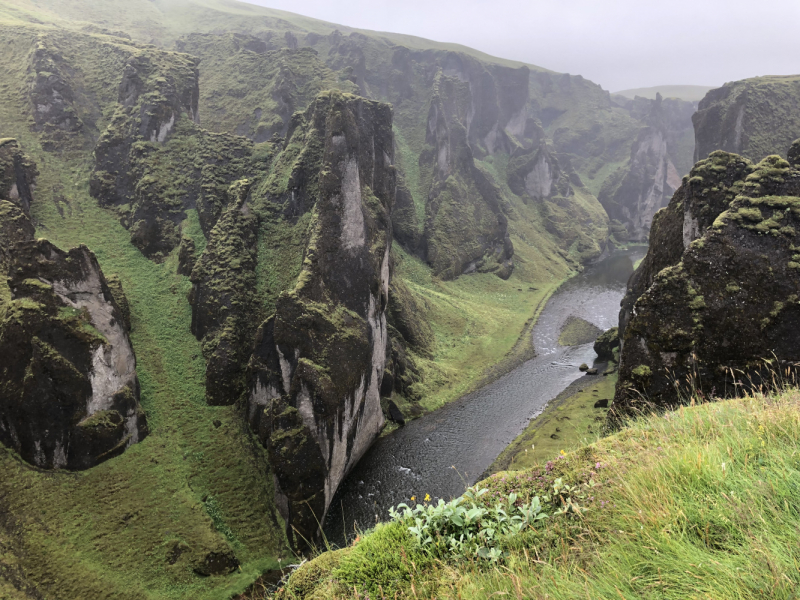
702,502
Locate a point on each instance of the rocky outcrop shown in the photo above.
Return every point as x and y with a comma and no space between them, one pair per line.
153,162
466,229
258,85
606,343
52,97
569,211
318,362
223,299
69,394
752,117
642,186
17,179
717,294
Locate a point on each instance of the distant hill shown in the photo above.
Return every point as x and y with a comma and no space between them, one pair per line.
691,93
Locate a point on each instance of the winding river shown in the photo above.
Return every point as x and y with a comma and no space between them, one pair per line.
443,452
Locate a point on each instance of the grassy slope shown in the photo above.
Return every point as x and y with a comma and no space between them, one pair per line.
698,503
481,320
106,532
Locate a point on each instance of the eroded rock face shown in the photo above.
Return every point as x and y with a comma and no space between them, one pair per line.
752,117
466,228
647,181
52,96
570,212
70,395
318,364
154,163
17,178
223,299
719,290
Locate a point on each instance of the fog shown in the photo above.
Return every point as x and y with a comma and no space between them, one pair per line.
619,44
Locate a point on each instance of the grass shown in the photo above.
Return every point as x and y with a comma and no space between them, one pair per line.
577,331
112,531
476,322
698,503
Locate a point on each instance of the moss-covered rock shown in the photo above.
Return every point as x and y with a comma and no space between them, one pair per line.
753,117
154,162
69,394
223,298
606,343
713,305
466,228
17,178
318,363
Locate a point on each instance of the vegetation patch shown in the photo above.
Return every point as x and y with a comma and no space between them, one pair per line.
699,499
577,331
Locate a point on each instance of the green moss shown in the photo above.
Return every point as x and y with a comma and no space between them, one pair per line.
697,303
642,372
105,419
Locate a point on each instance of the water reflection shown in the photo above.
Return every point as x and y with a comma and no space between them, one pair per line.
449,449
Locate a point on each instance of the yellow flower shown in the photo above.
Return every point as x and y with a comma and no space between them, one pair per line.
563,453
427,497
413,498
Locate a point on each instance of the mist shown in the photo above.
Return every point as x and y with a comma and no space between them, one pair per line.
619,44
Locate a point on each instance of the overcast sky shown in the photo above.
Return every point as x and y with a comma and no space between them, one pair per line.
619,44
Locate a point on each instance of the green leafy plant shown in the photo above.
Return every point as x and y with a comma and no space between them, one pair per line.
465,527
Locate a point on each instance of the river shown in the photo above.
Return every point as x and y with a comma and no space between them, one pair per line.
443,452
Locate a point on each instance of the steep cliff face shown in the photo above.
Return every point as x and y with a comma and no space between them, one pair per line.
658,160
319,361
69,395
149,180
224,303
17,179
569,211
256,86
752,117
718,291
466,229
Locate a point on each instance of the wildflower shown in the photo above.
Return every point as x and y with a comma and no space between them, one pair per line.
413,498
427,497
563,453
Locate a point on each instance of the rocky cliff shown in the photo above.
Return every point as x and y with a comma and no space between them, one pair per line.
659,158
17,179
715,302
318,363
69,394
153,162
752,117
465,229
